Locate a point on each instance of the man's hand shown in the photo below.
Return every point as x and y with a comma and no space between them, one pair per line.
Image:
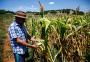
33,46
33,40
24,43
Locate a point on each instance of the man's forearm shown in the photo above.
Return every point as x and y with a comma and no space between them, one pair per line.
24,43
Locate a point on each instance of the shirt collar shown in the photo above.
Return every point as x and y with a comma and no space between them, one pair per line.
16,23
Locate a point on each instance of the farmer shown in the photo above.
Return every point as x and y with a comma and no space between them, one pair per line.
19,37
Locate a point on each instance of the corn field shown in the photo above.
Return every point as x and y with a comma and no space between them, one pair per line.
61,38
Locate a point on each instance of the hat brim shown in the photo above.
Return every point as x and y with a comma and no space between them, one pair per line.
20,16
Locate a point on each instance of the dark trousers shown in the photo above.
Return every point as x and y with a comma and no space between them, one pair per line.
19,57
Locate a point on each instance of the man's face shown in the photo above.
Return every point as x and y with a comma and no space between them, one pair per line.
21,20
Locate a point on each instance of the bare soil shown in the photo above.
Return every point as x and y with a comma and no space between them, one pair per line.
7,54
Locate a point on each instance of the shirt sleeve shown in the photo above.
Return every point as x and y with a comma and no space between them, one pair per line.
14,33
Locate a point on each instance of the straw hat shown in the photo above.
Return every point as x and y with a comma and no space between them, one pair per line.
20,14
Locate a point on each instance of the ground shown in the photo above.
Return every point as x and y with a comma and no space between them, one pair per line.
7,51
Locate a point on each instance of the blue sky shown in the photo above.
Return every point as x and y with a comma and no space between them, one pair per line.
32,5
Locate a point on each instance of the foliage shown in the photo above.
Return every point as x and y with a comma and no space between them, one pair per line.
66,38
